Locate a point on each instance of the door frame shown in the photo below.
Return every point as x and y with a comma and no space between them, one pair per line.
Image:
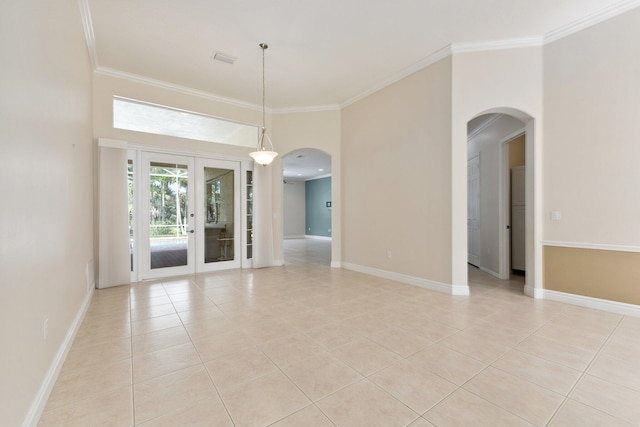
134,153
504,201
142,203
475,159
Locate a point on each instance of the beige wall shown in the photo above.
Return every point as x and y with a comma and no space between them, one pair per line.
46,213
609,275
320,130
396,177
592,105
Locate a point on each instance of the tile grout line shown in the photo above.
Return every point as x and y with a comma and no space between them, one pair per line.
584,373
133,394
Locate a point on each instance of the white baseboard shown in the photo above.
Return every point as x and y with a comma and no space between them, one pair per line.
409,280
336,264
311,236
40,400
532,292
461,290
491,272
278,262
595,303
302,236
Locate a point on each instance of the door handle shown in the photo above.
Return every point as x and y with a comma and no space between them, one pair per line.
192,231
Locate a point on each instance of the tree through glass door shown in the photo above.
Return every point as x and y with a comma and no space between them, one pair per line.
166,216
168,213
190,215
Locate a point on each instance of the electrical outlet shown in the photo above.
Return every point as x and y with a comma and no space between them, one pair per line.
329,230
45,328
389,254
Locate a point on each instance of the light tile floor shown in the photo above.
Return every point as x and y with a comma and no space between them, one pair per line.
307,345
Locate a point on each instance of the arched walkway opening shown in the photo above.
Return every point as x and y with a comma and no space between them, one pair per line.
501,183
307,206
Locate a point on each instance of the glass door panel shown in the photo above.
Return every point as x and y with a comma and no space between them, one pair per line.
219,206
168,242
168,200
218,238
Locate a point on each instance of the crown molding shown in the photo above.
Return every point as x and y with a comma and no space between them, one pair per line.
590,20
87,25
208,95
308,109
423,63
176,88
455,48
497,45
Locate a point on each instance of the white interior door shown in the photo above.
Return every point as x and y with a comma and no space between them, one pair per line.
473,210
218,222
167,216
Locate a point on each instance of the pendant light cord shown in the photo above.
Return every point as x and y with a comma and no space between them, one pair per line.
264,47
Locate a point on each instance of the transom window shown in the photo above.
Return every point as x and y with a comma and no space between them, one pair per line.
130,114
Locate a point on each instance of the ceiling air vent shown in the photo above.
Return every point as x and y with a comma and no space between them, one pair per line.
219,56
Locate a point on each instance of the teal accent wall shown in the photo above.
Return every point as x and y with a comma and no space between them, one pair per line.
318,215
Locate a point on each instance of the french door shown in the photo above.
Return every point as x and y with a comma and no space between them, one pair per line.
190,215
218,215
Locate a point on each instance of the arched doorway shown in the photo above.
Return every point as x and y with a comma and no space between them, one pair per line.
509,226
307,206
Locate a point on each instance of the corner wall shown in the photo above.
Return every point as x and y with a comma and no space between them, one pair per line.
592,105
47,210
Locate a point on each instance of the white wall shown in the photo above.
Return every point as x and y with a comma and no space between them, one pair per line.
319,130
506,81
486,144
592,153
293,214
47,207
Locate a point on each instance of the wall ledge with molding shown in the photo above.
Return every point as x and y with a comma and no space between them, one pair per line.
597,246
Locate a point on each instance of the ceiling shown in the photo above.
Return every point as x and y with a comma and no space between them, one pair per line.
304,164
322,54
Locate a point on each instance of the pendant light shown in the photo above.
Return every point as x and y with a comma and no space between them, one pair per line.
262,155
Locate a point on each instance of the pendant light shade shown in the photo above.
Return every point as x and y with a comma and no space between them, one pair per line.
264,154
